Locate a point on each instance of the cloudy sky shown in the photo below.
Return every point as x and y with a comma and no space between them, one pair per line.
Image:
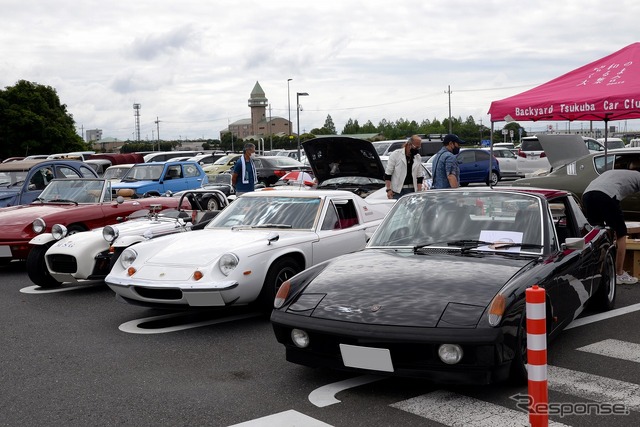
192,64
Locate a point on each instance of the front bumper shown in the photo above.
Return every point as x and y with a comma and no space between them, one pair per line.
219,295
413,351
67,268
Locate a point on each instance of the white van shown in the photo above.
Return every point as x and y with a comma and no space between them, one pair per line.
635,142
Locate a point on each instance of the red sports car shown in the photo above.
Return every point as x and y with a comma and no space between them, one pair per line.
80,204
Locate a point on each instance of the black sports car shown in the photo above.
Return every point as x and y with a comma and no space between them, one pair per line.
439,291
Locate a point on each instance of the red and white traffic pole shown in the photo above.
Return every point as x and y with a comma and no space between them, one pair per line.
537,356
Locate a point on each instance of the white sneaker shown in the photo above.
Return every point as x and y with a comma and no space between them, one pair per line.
626,279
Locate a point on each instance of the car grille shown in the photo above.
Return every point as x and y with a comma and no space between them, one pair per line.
62,263
159,294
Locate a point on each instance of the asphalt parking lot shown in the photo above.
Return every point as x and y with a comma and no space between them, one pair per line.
78,358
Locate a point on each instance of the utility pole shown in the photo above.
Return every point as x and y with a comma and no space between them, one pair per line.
157,122
448,91
270,131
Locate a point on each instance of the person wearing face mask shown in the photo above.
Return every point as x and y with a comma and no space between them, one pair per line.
404,173
445,171
244,176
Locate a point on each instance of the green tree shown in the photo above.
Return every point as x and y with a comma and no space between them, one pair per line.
351,127
513,126
329,127
34,121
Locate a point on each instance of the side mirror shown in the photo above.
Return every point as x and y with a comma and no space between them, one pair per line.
575,243
119,200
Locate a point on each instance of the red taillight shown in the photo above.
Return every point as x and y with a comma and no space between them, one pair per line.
279,173
522,154
542,155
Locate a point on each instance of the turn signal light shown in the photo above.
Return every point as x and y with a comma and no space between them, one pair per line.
197,275
496,309
282,294
131,271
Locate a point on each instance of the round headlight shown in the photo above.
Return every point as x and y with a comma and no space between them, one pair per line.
300,338
228,262
110,233
450,353
59,231
38,225
127,257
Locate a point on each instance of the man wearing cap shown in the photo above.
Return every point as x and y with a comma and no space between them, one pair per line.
445,170
404,173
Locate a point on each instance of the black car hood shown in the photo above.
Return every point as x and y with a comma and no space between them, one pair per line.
340,156
402,289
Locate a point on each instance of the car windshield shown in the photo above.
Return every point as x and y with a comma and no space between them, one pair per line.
10,178
147,172
478,221
276,212
73,191
223,178
223,160
115,173
381,147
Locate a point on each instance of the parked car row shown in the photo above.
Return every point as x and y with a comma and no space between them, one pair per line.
341,273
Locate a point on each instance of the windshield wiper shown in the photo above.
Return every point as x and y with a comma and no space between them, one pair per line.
272,226
469,243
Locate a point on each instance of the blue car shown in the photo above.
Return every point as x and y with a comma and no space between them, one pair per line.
154,179
23,180
474,167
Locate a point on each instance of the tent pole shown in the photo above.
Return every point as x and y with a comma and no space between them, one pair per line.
606,131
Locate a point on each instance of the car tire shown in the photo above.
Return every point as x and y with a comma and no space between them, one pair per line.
605,297
37,267
281,270
213,204
518,374
493,179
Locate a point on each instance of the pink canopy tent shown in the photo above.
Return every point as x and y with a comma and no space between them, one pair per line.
604,90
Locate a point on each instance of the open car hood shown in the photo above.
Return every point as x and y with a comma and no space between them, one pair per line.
563,149
341,156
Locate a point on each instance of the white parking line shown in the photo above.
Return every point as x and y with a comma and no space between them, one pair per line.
63,288
614,348
452,409
603,316
594,387
325,395
288,418
131,327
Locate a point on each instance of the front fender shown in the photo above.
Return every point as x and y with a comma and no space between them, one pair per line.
126,241
42,239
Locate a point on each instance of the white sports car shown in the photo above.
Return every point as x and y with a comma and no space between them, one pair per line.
73,257
247,251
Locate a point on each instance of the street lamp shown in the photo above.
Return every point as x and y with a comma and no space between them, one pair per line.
298,95
289,105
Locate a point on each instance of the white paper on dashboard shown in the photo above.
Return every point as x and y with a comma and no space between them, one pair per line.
501,236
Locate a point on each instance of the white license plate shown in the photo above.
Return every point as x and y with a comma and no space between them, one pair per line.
377,359
5,251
